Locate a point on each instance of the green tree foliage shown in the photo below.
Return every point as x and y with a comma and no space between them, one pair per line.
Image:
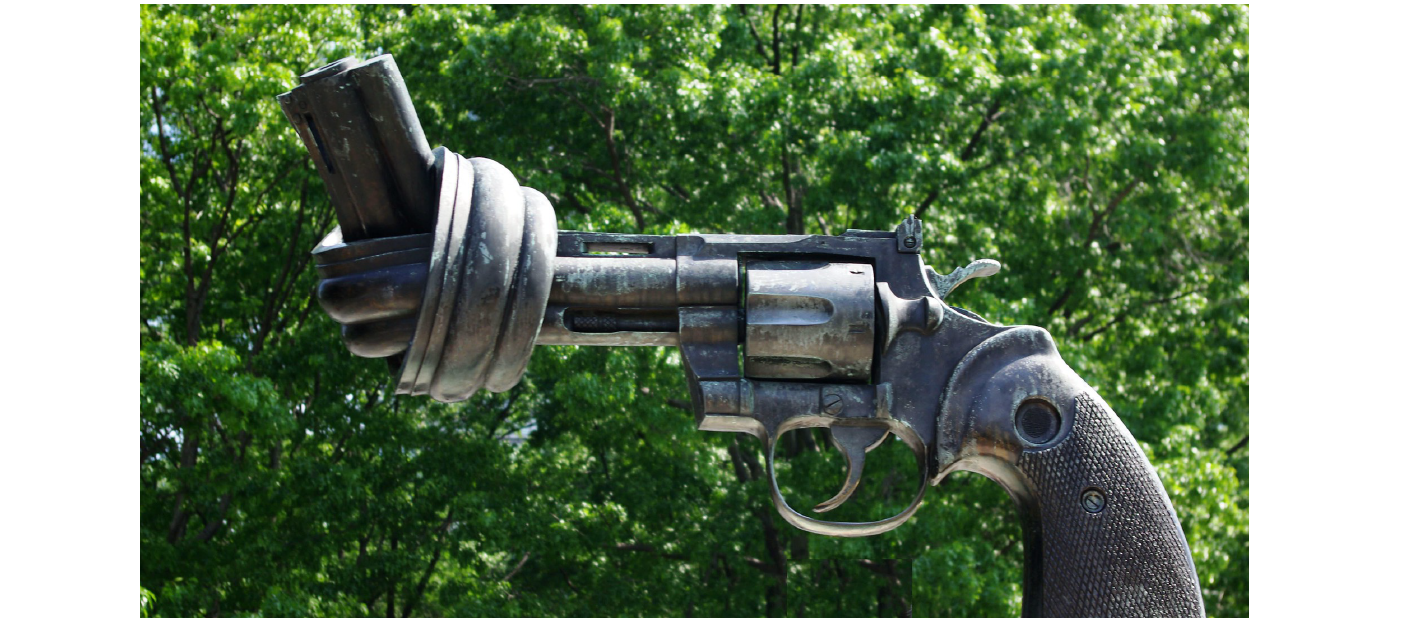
1100,153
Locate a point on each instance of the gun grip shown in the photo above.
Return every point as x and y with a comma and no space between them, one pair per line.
1100,535
1106,539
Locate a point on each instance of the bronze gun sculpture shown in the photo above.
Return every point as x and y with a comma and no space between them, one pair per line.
448,268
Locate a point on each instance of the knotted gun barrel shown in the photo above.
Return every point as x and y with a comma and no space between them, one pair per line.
440,263
451,269
454,272
359,124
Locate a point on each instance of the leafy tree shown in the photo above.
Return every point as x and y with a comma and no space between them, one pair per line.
1099,152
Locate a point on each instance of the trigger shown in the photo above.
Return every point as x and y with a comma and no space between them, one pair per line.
854,443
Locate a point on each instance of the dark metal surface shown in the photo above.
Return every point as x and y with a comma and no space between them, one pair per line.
489,278
1036,421
644,282
1126,558
851,320
358,123
372,287
809,320
450,268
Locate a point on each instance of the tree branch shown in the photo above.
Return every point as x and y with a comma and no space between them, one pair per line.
216,524
772,543
199,165
740,470
620,180
777,40
1127,312
968,153
797,31
1119,319
414,598
794,224
199,169
515,569
178,525
1098,219
392,596
506,410
1239,445
277,290
757,40
570,200
575,100
755,471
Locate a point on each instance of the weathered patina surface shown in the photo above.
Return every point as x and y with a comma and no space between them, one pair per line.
454,272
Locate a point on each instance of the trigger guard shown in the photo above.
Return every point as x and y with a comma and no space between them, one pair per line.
853,529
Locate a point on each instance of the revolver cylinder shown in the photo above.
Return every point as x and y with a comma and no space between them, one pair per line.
809,321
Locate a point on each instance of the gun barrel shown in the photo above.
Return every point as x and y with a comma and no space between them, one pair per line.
358,124
612,301
611,283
